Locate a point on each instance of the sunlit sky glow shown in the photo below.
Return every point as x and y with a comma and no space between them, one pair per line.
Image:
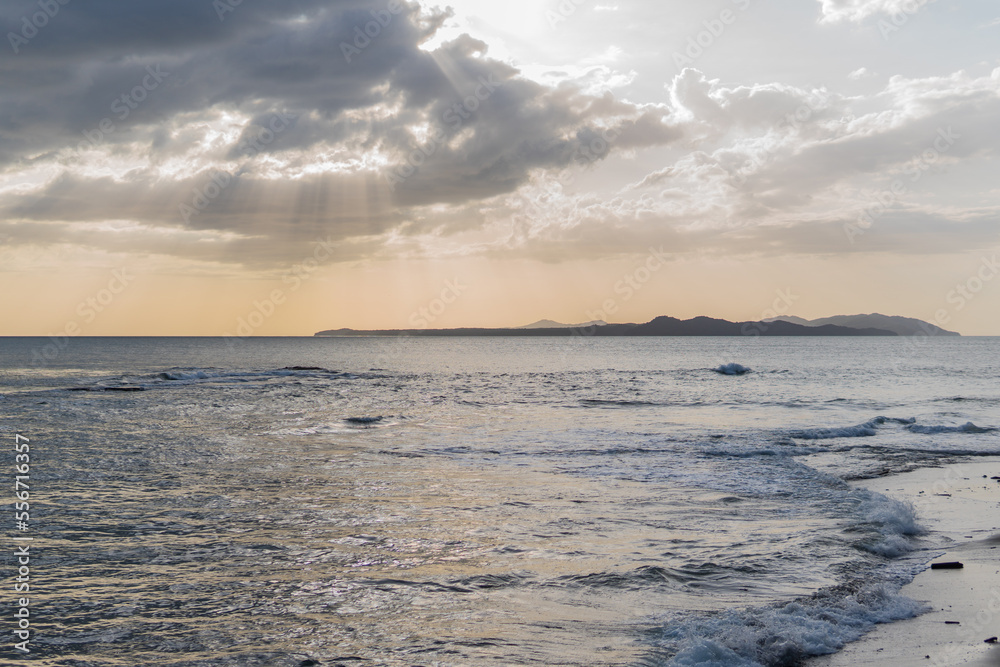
842,151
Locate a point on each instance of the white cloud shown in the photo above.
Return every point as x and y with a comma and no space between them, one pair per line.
692,162
859,10
772,158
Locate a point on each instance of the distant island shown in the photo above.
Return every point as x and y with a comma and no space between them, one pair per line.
671,326
903,326
550,324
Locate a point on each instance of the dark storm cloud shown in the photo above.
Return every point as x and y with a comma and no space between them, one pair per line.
110,83
258,58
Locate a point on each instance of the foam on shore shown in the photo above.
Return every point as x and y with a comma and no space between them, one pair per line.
959,506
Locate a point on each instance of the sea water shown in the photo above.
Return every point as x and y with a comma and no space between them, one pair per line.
476,501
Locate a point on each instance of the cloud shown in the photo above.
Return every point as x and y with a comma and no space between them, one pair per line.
307,107
281,125
786,168
788,143
858,10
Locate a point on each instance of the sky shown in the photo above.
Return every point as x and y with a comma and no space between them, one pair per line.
227,167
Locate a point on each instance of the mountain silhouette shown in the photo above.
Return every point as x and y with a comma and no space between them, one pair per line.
660,326
902,326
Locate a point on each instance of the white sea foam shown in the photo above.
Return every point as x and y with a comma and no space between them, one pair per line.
892,546
184,375
894,517
894,520
786,634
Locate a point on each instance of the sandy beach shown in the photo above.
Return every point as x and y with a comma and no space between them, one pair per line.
959,504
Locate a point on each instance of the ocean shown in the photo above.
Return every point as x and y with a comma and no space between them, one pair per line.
474,501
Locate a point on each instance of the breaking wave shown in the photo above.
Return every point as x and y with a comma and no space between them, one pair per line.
866,429
732,369
787,634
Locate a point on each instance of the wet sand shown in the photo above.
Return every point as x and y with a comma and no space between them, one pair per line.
960,504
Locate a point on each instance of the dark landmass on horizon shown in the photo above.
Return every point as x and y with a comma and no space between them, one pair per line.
904,326
660,326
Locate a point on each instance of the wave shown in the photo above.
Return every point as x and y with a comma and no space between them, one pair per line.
970,399
364,421
786,448
870,428
491,581
893,520
787,634
610,403
179,376
693,576
104,388
732,369
864,430
185,375
967,427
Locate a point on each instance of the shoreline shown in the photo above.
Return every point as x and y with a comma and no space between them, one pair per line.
960,508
